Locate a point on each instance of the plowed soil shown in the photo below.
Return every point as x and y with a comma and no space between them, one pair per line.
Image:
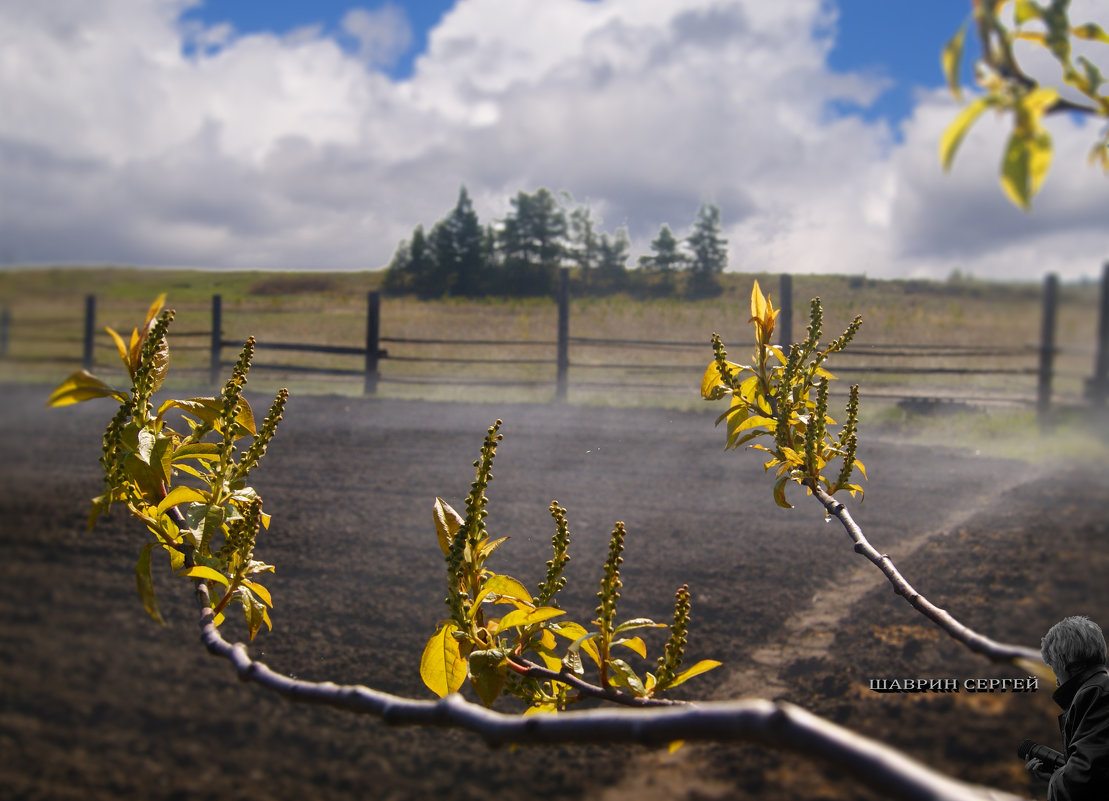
99,702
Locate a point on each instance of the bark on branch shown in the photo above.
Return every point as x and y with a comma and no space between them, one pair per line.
778,725
979,643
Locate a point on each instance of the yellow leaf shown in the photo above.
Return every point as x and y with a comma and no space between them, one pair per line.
758,302
634,643
504,587
1025,10
179,495
950,60
954,133
260,591
1091,32
1031,36
704,666
145,585
82,386
527,617
205,572
674,746
121,346
442,667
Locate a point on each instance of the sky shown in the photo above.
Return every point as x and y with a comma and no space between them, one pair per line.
255,134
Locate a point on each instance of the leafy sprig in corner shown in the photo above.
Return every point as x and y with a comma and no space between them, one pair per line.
188,486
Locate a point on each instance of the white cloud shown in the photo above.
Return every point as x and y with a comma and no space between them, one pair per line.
291,152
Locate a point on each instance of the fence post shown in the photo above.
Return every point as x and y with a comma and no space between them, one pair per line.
373,341
563,333
1099,385
90,331
5,325
1047,347
217,340
785,316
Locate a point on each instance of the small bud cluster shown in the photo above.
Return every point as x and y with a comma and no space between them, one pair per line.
815,431
476,500
232,395
560,543
265,434
238,549
844,339
110,457
611,583
671,660
849,438
721,358
153,360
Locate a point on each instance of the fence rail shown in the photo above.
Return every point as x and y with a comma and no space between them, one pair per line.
576,360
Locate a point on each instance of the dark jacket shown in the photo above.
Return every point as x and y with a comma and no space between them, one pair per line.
1084,725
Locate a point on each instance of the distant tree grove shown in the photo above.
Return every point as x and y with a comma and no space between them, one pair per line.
521,254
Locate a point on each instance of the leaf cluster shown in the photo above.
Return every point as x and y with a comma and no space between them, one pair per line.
188,485
784,400
503,639
1008,89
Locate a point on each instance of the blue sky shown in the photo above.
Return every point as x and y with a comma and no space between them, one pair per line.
880,36
316,135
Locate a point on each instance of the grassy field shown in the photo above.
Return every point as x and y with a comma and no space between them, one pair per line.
46,308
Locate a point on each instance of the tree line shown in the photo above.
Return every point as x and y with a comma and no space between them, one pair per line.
520,255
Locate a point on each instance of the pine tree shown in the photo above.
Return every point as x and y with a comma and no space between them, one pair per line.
584,250
710,251
532,242
612,264
457,240
666,257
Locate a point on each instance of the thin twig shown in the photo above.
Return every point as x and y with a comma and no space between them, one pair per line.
979,643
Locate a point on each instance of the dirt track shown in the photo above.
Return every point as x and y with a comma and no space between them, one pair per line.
97,701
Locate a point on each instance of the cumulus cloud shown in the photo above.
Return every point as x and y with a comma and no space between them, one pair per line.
132,136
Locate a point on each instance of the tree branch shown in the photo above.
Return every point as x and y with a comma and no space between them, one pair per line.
778,725
979,643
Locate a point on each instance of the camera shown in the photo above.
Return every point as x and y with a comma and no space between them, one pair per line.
1052,759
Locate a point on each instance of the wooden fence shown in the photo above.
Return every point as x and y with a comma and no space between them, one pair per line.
589,363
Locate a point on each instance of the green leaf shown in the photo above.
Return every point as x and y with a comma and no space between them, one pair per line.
204,572
254,611
447,523
528,617
487,673
704,666
638,623
442,667
207,451
1027,159
624,676
179,495
145,584
82,386
953,135
951,60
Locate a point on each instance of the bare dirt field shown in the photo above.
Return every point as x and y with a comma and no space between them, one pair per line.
99,702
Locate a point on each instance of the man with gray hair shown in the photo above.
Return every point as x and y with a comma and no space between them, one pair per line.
1075,649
